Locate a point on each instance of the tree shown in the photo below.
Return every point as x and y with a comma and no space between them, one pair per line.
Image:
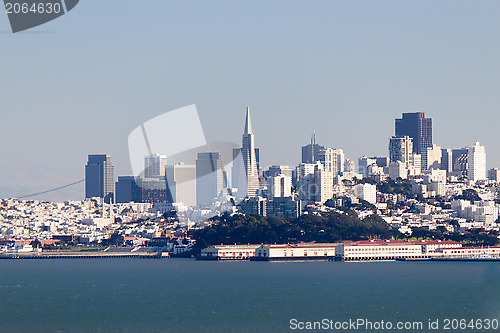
469,194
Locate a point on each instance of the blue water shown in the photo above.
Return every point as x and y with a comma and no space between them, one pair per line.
182,295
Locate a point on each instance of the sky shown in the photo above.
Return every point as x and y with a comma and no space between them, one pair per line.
80,84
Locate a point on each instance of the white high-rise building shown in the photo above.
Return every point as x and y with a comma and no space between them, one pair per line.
415,165
279,186
315,185
324,185
154,166
367,192
181,181
398,170
245,170
333,160
431,158
476,160
340,161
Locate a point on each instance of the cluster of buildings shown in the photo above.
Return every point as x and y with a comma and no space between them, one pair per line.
353,251
323,180
82,222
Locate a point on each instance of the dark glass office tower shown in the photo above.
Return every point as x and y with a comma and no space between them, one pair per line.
417,127
127,190
311,152
99,178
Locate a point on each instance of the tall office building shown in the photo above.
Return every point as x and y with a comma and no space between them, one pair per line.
209,177
417,127
99,178
181,183
154,166
446,160
349,166
400,149
476,160
275,170
459,159
127,190
245,166
154,190
363,163
494,174
312,151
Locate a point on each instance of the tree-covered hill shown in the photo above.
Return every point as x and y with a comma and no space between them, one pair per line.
325,228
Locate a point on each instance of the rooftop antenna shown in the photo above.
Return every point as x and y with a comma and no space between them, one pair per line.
313,138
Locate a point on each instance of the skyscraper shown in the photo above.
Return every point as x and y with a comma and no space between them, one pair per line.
431,157
99,178
127,190
459,158
209,177
400,149
312,151
476,159
245,168
154,166
446,160
181,183
417,127
279,186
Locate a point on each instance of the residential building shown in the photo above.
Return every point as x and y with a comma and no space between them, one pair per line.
431,158
279,186
401,149
254,206
287,207
476,160
398,170
367,192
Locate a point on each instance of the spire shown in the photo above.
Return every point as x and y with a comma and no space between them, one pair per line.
248,122
313,138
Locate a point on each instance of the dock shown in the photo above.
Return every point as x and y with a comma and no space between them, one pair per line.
80,255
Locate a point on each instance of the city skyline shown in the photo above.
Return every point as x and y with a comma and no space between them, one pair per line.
370,63
321,169
153,169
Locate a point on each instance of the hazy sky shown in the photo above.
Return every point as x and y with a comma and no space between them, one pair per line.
346,69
